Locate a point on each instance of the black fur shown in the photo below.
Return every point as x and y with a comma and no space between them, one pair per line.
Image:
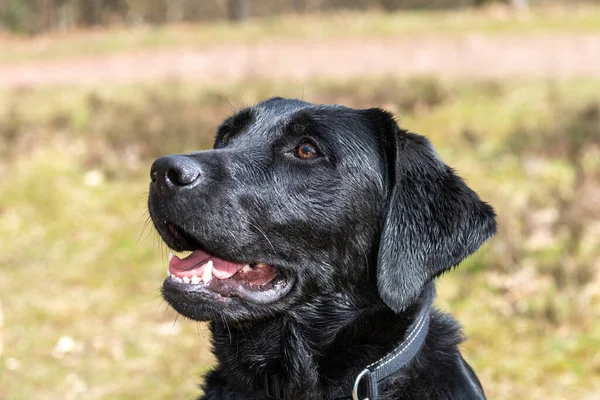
357,232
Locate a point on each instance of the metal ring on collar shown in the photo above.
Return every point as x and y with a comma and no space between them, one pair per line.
356,383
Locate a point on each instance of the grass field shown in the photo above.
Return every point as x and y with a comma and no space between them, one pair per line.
489,21
80,268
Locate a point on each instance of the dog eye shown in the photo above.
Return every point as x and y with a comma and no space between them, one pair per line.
225,135
306,151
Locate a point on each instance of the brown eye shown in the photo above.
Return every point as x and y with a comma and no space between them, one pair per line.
306,151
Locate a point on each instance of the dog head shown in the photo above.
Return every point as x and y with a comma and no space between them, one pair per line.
298,201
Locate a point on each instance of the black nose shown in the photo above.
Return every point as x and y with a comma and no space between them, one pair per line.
173,173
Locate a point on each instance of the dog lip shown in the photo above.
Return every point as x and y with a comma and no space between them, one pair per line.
178,238
203,292
172,229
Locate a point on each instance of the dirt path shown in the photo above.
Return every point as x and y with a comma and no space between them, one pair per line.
478,56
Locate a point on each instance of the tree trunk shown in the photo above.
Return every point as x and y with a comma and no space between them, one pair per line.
91,12
238,10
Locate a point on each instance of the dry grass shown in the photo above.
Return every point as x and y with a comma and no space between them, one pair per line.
79,273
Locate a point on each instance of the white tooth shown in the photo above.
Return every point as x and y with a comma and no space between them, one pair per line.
261,265
170,256
186,279
246,268
195,280
207,272
178,280
173,276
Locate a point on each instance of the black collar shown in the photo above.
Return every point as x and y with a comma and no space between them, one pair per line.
374,373
391,363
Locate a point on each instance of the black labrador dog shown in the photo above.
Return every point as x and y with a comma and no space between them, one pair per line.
316,232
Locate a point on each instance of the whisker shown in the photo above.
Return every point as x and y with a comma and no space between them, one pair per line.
245,94
234,109
145,228
227,326
264,235
175,321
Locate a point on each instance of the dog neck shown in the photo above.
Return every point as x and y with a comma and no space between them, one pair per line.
318,348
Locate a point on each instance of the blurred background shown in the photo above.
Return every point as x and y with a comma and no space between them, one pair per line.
92,91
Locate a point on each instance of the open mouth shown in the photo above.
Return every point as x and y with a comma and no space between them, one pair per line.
210,277
201,271
202,268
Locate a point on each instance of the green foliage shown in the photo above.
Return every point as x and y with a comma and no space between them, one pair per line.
15,15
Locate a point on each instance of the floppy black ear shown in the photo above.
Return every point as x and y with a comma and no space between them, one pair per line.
432,221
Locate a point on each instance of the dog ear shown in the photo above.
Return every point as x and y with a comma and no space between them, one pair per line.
432,220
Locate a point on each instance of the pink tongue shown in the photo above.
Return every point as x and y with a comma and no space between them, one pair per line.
193,265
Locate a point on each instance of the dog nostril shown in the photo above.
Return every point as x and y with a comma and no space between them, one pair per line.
174,172
173,176
182,176
153,174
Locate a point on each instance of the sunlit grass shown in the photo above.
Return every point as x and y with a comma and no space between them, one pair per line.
79,272
365,24
78,264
